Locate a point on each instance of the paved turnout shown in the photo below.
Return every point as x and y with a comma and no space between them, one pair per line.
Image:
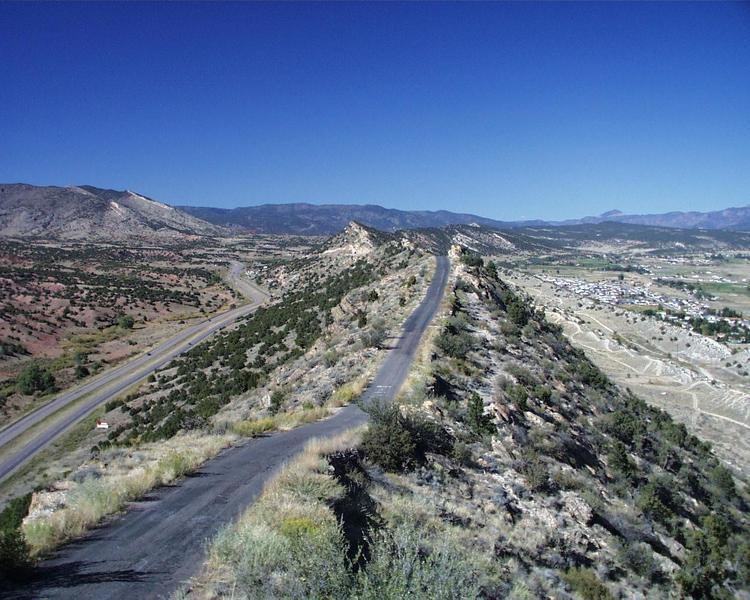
108,385
160,542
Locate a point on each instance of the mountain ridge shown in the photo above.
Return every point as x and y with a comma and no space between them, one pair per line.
89,213
326,219
92,213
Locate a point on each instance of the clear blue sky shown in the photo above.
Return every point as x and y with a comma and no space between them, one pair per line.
505,110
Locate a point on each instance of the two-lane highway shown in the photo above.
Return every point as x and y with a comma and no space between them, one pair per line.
21,440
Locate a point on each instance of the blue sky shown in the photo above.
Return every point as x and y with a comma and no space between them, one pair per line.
510,111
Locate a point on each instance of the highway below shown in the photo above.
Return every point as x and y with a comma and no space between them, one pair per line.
25,437
160,542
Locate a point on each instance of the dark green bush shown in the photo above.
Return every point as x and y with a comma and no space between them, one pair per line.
518,313
14,513
639,558
656,500
389,441
586,584
277,399
125,321
702,573
398,442
455,345
472,260
14,552
476,419
622,466
35,379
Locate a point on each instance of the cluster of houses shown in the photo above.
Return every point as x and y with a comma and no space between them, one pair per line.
619,293
680,311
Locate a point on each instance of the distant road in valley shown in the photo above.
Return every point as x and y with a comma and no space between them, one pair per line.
15,451
161,541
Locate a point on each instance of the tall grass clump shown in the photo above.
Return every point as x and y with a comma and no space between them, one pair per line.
401,566
288,544
255,427
94,499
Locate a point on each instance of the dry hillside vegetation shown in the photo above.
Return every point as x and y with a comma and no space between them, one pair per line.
70,310
337,312
516,470
291,362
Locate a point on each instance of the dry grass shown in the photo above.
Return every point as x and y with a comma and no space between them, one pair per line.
93,499
254,427
344,395
349,392
288,535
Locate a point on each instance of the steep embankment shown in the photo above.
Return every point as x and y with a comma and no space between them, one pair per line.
513,469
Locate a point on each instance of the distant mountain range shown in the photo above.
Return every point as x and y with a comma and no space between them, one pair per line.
89,213
326,219
728,218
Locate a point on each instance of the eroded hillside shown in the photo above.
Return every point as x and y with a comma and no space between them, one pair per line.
513,468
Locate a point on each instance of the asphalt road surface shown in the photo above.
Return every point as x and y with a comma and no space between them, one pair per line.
111,383
160,542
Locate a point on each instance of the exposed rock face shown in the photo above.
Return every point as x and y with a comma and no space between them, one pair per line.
91,214
357,240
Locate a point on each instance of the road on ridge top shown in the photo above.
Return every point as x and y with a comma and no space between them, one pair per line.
115,381
160,542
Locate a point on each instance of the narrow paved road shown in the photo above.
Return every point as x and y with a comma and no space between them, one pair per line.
111,383
160,543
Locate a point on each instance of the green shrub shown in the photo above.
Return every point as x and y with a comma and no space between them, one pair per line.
656,500
398,442
388,441
330,358
35,379
295,527
537,474
586,584
518,313
277,399
722,478
14,551
479,422
620,462
462,454
639,558
14,554
14,513
125,321
472,260
455,345
702,573
306,560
